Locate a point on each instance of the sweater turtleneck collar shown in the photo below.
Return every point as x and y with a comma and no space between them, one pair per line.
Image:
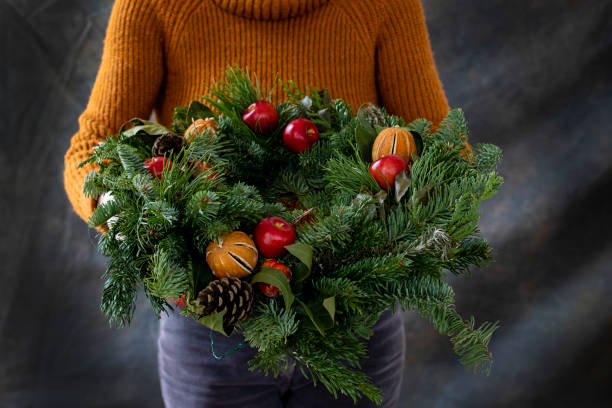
269,9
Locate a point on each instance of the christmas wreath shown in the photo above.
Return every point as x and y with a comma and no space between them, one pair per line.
296,224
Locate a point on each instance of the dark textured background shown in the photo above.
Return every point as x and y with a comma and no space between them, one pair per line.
533,76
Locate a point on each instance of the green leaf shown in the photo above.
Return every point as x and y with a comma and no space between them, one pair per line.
418,142
318,315
365,134
303,252
276,278
300,273
197,110
201,273
215,322
402,185
148,127
330,305
324,97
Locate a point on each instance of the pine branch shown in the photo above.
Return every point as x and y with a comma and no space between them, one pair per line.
103,212
131,161
167,279
488,157
270,326
119,293
434,300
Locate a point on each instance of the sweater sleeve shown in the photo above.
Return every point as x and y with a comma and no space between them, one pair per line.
126,86
406,76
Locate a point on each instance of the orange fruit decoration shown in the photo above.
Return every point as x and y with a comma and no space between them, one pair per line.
232,255
199,126
394,140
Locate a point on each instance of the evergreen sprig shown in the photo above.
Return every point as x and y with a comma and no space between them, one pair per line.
359,251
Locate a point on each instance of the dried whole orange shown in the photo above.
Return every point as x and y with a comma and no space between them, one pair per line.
199,126
232,255
394,140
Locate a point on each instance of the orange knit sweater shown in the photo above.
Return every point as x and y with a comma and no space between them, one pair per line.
159,54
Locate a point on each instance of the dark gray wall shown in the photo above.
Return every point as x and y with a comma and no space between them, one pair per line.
532,76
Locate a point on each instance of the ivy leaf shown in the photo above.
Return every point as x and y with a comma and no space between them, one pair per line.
330,305
276,278
303,252
215,322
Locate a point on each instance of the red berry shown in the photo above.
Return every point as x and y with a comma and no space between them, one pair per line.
271,236
202,167
261,116
385,169
271,290
300,134
156,165
181,302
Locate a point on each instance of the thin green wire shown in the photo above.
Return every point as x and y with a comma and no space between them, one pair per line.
227,353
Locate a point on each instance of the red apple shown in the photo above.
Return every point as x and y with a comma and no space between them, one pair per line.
385,169
261,116
271,290
156,165
300,134
271,235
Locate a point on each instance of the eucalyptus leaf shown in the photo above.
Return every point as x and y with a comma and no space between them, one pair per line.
276,278
303,252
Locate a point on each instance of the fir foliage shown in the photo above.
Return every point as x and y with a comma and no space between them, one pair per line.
370,250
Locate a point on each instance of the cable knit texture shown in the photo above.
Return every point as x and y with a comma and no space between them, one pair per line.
159,54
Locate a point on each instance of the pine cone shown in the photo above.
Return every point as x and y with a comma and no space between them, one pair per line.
231,295
167,143
374,114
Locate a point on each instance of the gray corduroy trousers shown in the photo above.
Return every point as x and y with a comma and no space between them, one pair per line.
190,377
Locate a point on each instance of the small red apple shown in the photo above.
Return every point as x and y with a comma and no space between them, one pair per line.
261,116
271,235
156,165
385,169
300,134
271,290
